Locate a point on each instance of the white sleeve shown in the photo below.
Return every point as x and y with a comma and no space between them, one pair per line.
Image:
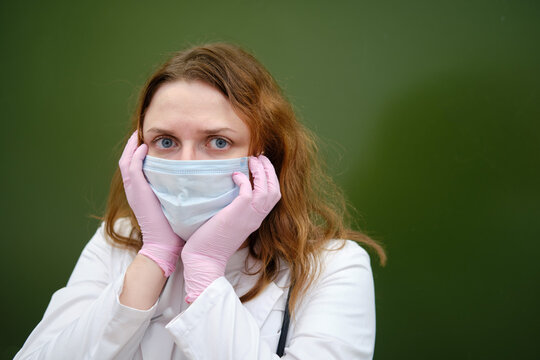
335,320
85,319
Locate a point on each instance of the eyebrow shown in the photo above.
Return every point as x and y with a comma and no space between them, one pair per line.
206,131
217,130
158,131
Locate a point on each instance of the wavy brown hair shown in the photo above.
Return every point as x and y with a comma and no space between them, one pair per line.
312,210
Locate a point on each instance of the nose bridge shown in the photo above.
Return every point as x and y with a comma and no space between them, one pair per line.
187,151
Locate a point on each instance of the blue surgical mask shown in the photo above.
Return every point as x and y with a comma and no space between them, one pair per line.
192,191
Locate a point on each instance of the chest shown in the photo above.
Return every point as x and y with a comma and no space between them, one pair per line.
267,310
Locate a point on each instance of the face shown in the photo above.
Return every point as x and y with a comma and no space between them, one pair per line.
190,120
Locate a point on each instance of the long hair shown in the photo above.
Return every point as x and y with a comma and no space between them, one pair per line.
312,209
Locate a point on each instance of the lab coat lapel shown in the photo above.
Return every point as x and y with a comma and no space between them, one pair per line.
265,302
261,306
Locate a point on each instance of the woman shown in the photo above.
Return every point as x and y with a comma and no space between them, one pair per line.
195,259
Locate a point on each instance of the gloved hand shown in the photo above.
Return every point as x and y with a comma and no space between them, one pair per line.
160,243
207,251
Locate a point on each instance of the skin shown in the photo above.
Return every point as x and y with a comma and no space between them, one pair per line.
185,121
193,121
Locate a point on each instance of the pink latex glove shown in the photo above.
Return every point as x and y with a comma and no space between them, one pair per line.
160,243
207,251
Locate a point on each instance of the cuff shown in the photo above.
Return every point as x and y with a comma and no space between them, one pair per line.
200,308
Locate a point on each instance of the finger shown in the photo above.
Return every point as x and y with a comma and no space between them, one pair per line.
127,154
260,184
244,184
137,160
274,194
271,176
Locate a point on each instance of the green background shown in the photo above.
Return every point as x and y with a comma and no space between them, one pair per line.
428,113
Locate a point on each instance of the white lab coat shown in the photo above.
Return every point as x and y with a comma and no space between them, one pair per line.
85,320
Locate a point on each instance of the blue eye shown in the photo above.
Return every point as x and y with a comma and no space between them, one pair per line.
219,143
165,143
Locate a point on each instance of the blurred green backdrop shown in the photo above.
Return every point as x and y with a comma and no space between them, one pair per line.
428,113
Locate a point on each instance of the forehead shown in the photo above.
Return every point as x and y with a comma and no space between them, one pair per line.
193,102
188,96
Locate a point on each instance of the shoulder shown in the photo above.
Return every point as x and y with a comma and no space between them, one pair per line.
344,267
101,241
102,255
340,253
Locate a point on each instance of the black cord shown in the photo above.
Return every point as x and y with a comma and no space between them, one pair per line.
284,327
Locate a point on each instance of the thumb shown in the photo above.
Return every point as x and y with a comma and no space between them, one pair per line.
243,182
